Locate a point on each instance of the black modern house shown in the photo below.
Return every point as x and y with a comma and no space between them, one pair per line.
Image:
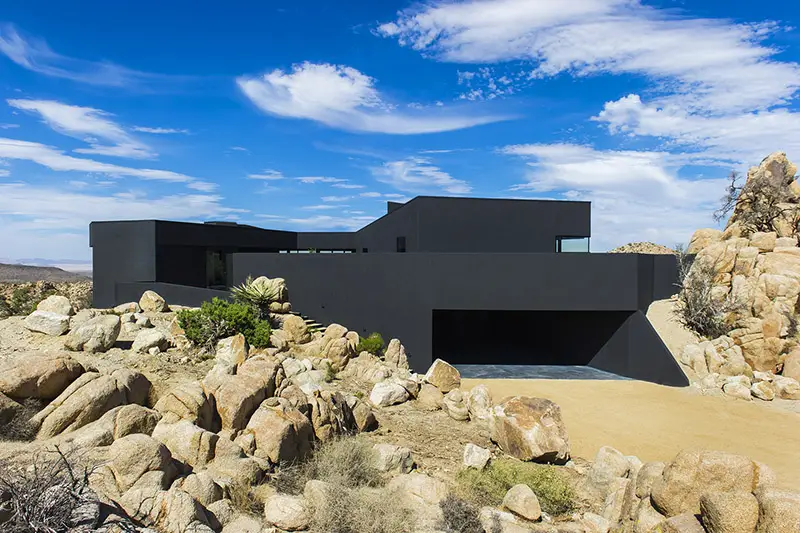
471,281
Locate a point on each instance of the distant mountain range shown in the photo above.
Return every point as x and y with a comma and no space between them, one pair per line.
83,268
17,272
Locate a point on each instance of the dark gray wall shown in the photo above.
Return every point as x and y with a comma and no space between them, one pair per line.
326,241
397,294
121,251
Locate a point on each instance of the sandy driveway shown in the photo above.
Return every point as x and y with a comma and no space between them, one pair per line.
655,422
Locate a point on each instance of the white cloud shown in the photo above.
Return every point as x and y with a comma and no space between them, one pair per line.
348,186
320,179
335,198
8,126
735,137
268,174
635,195
159,131
87,124
323,207
4,173
325,222
390,196
709,64
36,56
344,98
239,149
52,222
55,159
418,175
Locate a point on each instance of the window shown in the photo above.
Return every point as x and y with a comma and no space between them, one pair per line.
364,250
401,244
216,270
572,244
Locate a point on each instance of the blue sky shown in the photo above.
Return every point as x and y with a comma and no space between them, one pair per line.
311,115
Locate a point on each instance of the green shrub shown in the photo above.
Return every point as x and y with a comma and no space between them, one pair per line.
218,319
24,300
372,344
488,487
347,510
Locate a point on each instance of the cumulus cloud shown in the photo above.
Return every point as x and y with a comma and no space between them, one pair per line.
320,179
418,175
344,98
268,175
89,125
159,131
325,222
635,195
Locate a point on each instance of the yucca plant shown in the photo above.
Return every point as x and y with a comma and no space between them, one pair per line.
258,293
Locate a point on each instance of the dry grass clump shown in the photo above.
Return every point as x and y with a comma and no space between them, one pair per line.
348,462
488,486
361,510
459,516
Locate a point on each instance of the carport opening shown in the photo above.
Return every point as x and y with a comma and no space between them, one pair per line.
560,338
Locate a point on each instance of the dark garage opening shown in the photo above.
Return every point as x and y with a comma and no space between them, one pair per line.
527,339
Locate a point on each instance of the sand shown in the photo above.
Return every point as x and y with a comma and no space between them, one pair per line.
655,422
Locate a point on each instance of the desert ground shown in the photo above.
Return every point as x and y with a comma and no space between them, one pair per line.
655,422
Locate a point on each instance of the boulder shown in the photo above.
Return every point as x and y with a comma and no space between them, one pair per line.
200,486
479,403
115,424
97,334
645,517
40,376
530,429
188,401
152,302
476,457
521,501
737,390
455,405
89,397
618,501
150,338
388,393
187,442
496,521
608,465
693,473
702,238
130,307
791,365
168,511
685,523
764,241
648,474
224,513
729,512
779,511
429,397
47,323
787,388
82,317
288,513
443,376
419,488
395,354
362,414
245,524
239,395
763,390
134,456
296,330
339,351
56,304
391,458
231,351
331,415
281,432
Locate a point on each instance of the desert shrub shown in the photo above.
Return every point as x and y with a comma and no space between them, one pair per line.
757,205
459,516
20,427
699,309
44,495
218,319
348,510
372,344
345,461
488,486
5,309
257,295
25,298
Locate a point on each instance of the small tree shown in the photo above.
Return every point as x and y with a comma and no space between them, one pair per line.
757,205
257,294
699,308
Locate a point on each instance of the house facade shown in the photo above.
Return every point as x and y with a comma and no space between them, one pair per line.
471,281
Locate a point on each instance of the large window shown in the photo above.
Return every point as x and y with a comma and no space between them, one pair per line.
572,244
401,244
216,270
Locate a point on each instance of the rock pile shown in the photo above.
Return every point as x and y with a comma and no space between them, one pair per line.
758,274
